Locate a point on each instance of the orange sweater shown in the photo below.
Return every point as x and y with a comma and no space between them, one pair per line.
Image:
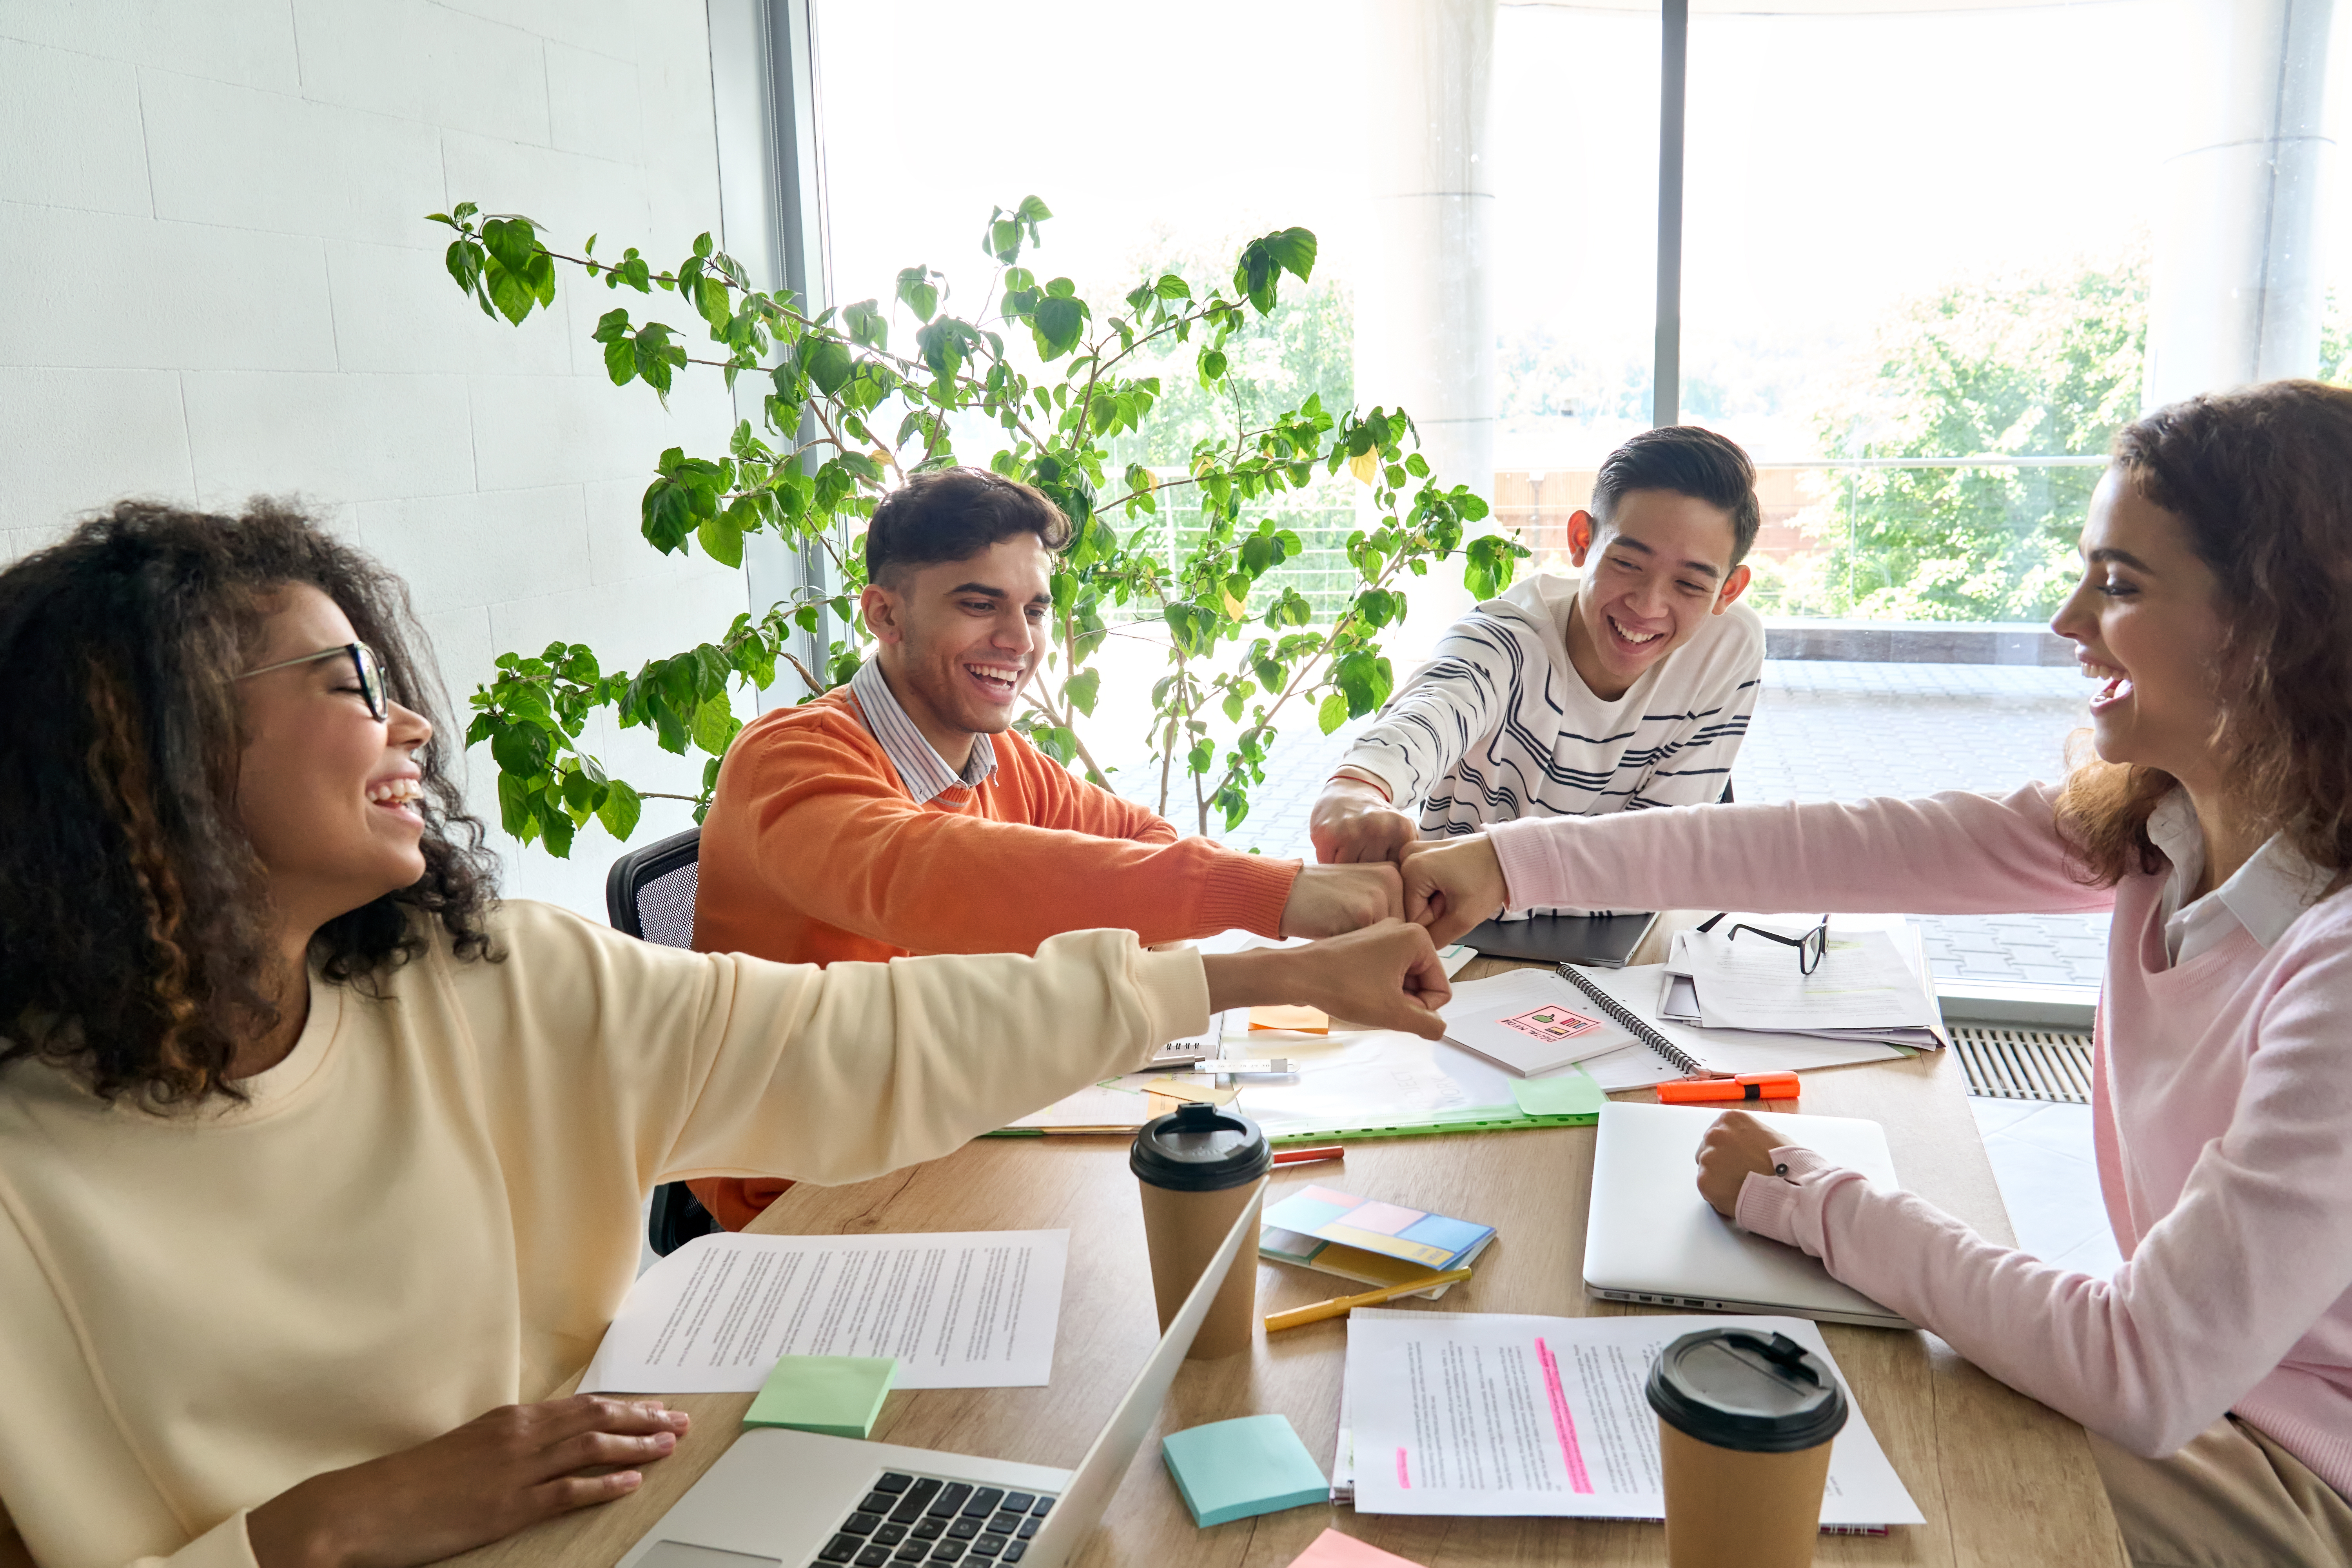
813,853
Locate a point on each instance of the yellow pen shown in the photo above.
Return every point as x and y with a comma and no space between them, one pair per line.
1341,1306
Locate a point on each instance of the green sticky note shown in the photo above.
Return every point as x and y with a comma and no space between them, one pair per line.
1232,1469
1570,1093
838,1395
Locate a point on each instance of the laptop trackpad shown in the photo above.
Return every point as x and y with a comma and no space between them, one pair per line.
677,1554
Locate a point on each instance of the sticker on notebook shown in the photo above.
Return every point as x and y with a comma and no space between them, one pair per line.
1549,1023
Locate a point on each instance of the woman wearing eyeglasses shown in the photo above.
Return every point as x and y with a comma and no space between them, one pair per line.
320,1168
2215,819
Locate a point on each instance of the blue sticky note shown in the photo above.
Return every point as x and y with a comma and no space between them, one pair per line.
838,1395
1234,1470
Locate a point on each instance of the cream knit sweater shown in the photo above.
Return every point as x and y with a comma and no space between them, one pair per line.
430,1207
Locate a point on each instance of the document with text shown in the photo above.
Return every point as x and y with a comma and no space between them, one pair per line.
1477,1413
972,1309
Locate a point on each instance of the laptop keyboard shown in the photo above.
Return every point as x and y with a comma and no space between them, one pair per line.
907,1519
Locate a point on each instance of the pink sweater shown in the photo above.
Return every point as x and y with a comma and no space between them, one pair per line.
2223,1111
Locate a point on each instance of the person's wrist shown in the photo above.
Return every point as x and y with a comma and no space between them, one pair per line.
1353,788
1250,979
289,1531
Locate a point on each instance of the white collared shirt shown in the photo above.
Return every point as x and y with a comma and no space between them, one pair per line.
2263,896
922,769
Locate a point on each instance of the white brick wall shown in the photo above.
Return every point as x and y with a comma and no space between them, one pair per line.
210,215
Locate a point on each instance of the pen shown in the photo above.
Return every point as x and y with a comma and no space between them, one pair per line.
1305,1156
1752,1085
1339,1306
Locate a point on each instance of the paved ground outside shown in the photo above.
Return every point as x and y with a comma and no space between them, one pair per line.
1823,731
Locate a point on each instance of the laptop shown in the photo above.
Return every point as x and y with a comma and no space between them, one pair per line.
781,1498
1596,941
1653,1239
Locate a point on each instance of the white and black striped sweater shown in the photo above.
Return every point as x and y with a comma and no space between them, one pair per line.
1498,725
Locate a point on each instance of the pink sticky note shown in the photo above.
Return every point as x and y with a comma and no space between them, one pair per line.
1384,1219
1333,1549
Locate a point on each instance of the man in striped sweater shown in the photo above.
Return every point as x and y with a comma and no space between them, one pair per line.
1627,687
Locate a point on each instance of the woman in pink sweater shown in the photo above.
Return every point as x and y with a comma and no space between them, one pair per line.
2215,1369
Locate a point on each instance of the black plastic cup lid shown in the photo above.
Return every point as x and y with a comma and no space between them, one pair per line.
1199,1149
1736,1388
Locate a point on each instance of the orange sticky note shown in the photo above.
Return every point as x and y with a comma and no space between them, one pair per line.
1333,1549
1298,1020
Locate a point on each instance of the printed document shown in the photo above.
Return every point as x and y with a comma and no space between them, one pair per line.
1861,983
974,1310
1484,1414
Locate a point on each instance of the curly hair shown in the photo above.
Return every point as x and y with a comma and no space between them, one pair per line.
2261,479
134,939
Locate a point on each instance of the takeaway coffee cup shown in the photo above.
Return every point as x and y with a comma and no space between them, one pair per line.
1199,1168
1745,1421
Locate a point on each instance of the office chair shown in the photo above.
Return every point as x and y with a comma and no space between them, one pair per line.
649,895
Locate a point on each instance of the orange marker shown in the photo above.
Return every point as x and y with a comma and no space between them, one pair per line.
1309,1156
1754,1086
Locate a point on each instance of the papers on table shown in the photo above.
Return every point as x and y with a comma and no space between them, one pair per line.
972,1309
1868,985
1530,1021
1473,1413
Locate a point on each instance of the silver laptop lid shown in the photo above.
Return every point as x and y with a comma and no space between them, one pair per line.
1098,1474
1651,1238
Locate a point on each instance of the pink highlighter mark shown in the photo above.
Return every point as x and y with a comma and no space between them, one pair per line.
1403,1480
1578,1478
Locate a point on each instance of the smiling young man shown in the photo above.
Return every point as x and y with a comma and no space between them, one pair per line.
1628,687
902,814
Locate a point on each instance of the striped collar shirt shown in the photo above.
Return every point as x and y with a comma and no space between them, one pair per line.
922,769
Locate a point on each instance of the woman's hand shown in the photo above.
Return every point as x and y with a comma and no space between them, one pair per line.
1449,888
1386,977
510,1467
1735,1146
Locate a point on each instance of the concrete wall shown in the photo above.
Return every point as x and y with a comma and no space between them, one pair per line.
219,284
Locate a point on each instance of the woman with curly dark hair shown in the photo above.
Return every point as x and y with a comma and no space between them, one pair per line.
320,1168
2215,607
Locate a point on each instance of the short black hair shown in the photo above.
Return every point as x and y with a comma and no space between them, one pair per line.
1689,461
952,514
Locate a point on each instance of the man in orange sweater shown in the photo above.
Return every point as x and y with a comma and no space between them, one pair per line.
901,815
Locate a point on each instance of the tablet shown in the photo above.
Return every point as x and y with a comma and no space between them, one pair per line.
1597,941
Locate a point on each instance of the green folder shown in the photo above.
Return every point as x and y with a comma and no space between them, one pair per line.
1572,1098
838,1395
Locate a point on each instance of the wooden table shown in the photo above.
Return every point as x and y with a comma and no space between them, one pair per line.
2002,1479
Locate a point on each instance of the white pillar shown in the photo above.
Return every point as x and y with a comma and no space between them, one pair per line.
2238,289
1425,320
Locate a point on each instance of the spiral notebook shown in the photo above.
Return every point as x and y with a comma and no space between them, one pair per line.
1662,1050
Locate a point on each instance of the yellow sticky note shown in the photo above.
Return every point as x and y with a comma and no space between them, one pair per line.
1298,1020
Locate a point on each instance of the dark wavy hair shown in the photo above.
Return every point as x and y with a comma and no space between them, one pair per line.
954,514
134,936
2261,479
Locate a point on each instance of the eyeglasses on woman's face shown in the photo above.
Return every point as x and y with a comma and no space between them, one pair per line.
363,665
1810,947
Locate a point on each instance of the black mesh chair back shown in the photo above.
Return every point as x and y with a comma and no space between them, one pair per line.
649,894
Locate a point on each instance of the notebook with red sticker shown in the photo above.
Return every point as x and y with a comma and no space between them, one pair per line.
1529,1021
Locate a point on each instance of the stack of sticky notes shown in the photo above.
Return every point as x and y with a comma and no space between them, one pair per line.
838,1395
1296,1020
1374,1243
1234,1470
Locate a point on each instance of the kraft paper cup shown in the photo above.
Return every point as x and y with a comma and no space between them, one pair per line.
1197,1170
1746,1421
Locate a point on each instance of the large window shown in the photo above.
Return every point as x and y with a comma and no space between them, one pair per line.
1918,250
